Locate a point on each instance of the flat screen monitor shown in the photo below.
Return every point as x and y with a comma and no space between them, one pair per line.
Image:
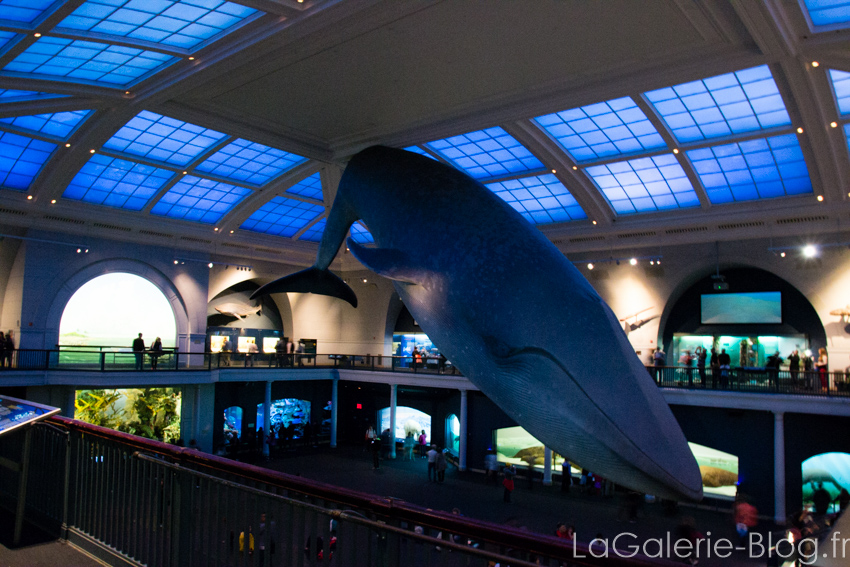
741,308
15,413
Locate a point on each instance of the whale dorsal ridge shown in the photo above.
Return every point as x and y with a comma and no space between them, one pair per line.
390,263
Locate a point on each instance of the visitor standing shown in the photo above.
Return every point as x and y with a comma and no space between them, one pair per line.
794,366
432,462
508,482
226,349
440,465
9,348
423,444
280,352
156,352
139,351
491,467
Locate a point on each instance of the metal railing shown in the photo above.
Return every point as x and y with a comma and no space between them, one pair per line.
754,380
141,502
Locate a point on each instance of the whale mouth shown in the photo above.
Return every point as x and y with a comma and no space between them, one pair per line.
526,361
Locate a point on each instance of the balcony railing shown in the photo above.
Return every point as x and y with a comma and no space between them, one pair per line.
133,500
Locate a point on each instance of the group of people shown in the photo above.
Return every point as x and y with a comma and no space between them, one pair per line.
286,352
154,353
7,349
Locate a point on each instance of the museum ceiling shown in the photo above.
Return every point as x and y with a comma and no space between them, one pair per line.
223,127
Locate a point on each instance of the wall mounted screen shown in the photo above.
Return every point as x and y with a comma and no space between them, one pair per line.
740,308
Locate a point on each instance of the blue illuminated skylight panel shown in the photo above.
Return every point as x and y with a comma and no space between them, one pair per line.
250,162
24,11
643,185
164,139
420,151
828,12
601,130
59,124
360,235
21,159
841,87
541,199
314,233
117,183
282,217
9,95
310,187
6,38
196,199
756,169
87,62
183,24
487,153
744,101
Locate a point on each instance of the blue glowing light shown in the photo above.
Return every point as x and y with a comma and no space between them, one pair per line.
541,199
828,12
117,183
282,217
487,154
249,162
21,159
360,234
202,200
841,87
59,124
314,232
10,95
24,11
310,188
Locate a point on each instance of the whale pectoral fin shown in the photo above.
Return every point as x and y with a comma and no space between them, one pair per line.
390,263
311,280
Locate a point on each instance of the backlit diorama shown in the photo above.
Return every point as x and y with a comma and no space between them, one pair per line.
407,420
285,413
148,412
510,311
830,471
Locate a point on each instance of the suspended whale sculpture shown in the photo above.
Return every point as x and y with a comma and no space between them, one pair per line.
505,306
239,310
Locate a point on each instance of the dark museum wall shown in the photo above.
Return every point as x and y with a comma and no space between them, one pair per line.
746,434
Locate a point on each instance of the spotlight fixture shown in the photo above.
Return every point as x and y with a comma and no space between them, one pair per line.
365,280
652,262
810,251
210,265
675,150
782,254
68,145
79,250
594,222
820,198
815,64
799,130
176,262
833,124
29,197
589,265
633,261
52,201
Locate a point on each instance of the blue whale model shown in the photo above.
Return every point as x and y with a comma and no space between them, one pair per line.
508,309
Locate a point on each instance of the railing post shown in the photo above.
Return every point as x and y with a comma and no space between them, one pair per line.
102,361
181,530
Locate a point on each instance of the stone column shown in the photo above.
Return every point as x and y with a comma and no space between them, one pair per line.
547,466
461,449
779,467
393,402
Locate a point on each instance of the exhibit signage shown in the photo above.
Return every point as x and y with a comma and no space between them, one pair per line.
15,413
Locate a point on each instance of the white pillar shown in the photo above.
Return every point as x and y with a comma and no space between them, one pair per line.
779,467
334,410
461,449
393,400
267,418
547,466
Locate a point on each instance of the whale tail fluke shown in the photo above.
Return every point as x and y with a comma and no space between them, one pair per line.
311,280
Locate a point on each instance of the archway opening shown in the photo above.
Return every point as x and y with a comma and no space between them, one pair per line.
407,420
826,482
112,309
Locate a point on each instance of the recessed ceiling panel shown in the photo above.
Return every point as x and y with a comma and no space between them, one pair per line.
25,11
605,129
249,162
744,101
310,187
58,124
360,234
21,159
196,199
314,233
644,185
541,199
56,58
181,24
117,183
828,12
6,38
756,169
282,217
164,139
9,95
841,87
487,154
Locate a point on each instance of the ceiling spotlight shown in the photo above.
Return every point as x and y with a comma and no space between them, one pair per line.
554,171
231,232
36,34
575,168
658,262
68,145
594,222
191,58
782,254
675,150
365,280
216,229
820,198
799,130
86,251
176,262
210,265
833,124
815,64
79,250
652,262
91,151
810,251
589,266
633,261
29,197
52,201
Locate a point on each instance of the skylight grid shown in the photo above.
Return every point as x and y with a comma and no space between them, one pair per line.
841,87
828,12
734,103
117,183
487,153
595,131
181,24
87,62
282,217
420,151
752,170
58,124
360,235
541,199
24,11
249,162
310,188
315,232
6,38
164,139
644,185
21,159
201,200
9,95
